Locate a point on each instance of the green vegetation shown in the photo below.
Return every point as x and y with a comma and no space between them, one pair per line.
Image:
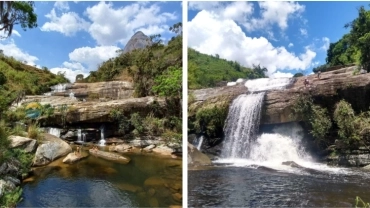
19,79
206,71
316,117
17,13
210,120
351,129
353,47
361,203
298,75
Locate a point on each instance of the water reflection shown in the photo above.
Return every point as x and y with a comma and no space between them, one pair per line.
94,182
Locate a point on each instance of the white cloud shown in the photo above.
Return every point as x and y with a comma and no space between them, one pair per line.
91,57
290,45
303,32
203,5
326,43
16,33
112,25
74,65
275,12
68,23
69,73
62,5
279,74
211,34
10,49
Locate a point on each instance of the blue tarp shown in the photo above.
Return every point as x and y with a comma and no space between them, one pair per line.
33,113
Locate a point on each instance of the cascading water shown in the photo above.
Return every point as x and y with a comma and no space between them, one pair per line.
102,139
200,142
72,95
54,131
84,137
59,87
79,135
242,125
244,116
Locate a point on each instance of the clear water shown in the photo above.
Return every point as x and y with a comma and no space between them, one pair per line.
94,182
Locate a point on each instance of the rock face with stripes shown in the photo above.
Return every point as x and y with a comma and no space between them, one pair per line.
138,41
327,91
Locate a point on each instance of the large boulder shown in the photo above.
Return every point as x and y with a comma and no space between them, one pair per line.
51,149
29,145
195,157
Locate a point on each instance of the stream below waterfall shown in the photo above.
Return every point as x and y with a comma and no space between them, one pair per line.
249,186
147,181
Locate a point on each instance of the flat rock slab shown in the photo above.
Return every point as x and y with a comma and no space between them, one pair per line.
110,156
74,157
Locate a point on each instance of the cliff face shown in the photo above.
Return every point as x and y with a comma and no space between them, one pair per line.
327,91
138,41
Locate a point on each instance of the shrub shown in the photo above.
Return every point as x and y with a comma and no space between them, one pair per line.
34,132
153,125
137,122
211,120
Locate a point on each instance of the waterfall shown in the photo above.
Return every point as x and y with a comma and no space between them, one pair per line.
84,137
72,95
79,135
102,139
265,84
200,142
59,87
242,123
54,131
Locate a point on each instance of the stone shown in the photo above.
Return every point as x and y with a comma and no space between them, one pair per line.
13,180
195,157
151,192
149,148
120,148
129,187
110,156
138,41
163,150
51,149
177,197
27,144
72,157
153,202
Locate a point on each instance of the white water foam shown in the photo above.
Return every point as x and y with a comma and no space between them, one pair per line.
231,84
265,84
272,149
54,131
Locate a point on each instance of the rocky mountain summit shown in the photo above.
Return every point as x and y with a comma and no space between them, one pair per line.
138,41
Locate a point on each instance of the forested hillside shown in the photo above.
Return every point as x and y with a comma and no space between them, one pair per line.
353,47
17,78
206,71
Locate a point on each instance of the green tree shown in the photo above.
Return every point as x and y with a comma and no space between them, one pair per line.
17,12
359,36
2,78
169,84
79,77
298,75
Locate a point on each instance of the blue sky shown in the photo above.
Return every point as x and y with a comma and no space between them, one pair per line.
286,37
77,36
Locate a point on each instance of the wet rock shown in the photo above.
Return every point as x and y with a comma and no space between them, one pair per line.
175,206
52,149
291,164
130,188
154,181
163,150
149,148
177,197
153,202
151,192
195,157
13,180
27,144
110,156
73,157
121,148
5,186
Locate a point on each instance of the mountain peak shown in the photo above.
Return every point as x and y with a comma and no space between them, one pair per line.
138,41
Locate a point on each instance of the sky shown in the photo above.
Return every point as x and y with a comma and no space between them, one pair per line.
284,37
74,37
